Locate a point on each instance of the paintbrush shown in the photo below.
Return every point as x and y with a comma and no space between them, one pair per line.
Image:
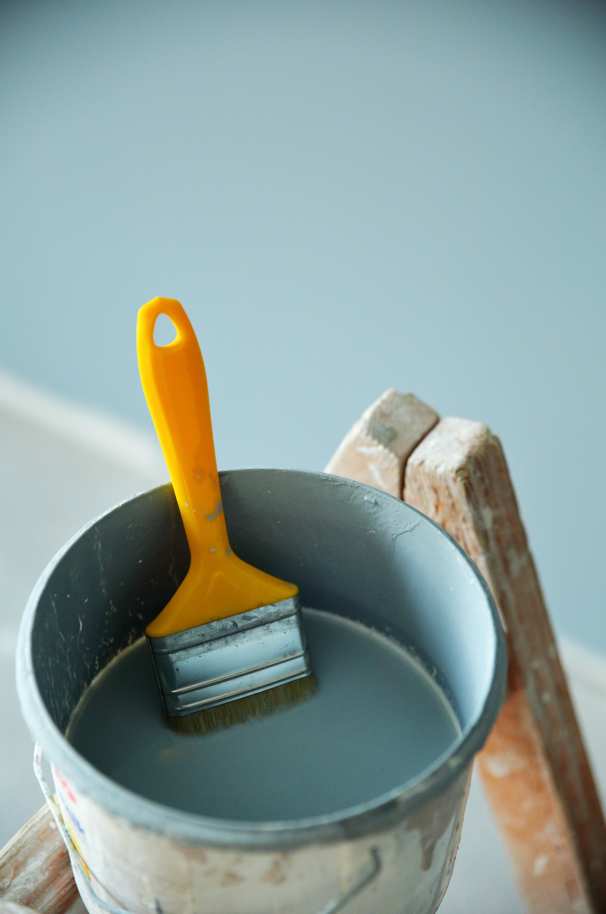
230,644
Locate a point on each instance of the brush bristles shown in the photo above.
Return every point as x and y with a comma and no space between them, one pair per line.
260,704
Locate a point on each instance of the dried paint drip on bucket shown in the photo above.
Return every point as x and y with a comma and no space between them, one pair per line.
377,721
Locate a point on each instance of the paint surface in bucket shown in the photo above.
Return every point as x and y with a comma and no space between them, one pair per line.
376,721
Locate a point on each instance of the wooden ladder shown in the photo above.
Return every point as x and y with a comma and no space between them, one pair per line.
534,766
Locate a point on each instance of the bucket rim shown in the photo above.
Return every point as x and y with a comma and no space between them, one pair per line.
370,817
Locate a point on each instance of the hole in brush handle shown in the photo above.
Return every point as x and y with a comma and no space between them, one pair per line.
165,332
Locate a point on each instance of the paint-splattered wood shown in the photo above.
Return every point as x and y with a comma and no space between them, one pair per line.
377,446
9,907
534,765
34,868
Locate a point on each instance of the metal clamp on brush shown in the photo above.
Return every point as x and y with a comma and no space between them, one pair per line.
231,658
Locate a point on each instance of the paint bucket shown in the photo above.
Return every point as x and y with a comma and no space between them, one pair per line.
353,551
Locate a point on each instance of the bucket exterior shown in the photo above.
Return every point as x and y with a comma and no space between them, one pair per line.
353,551
403,869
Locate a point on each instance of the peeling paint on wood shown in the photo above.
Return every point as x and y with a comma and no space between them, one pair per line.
35,870
375,449
9,907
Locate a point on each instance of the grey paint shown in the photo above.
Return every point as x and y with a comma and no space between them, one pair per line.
376,721
346,196
352,550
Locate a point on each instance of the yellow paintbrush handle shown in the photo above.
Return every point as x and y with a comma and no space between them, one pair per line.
218,584
175,387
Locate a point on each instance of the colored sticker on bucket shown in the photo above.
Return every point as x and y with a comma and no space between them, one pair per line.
60,781
66,797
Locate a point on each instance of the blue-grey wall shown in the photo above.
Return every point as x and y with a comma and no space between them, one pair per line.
345,197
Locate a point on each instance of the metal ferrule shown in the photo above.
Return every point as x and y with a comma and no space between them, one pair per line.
231,658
